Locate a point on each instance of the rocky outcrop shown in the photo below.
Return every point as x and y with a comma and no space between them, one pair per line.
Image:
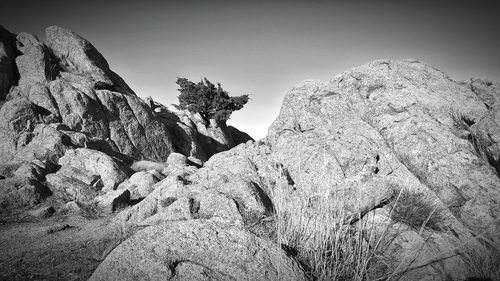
67,81
356,146
23,187
62,96
401,124
351,151
193,137
197,250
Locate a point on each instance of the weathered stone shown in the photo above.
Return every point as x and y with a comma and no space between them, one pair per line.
43,212
20,192
71,188
366,121
160,199
176,159
140,184
113,200
224,251
78,53
72,206
33,63
144,165
111,172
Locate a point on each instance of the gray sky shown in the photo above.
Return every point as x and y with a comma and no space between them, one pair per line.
263,48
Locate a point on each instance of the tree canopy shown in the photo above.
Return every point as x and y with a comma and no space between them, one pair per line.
209,100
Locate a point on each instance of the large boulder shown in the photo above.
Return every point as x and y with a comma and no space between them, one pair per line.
33,65
23,187
395,121
79,54
197,250
17,116
69,81
98,163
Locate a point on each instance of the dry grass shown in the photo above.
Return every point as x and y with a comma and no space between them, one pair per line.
317,237
480,266
414,209
480,142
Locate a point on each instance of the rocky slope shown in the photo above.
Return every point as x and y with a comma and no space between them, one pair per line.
62,95
402,158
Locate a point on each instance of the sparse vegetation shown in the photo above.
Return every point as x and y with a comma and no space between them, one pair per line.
318,238
480,142
52,69
413,209
482,267
209,100
460,121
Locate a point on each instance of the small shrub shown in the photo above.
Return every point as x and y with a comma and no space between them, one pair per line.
480,142
460,121
413,209
52,69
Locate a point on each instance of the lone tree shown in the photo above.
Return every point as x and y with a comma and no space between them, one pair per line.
209,100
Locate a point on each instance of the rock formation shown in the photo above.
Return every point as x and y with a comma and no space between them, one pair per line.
61,95
397,153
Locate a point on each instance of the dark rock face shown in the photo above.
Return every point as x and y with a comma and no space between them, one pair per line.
8,75
192,137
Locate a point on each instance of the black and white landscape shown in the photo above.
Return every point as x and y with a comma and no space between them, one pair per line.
389,170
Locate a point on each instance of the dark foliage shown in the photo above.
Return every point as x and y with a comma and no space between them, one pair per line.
209,100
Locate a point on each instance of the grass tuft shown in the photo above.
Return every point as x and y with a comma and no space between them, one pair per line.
317,237
413,209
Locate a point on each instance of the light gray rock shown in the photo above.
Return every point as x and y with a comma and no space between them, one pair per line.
18,116
98,163
113,200
78,53
43,212
366,122
140,184
72,207
145,165
176,159
199,250
33,64
71,188
161,201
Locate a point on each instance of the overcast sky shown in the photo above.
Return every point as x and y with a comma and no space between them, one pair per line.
263,48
